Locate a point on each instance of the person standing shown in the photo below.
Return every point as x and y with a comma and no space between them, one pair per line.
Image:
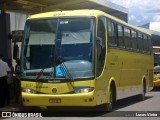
10,82
17,80
4,70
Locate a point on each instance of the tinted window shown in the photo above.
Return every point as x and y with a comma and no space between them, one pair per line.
127,36
111,34
140,41
120,36
134,39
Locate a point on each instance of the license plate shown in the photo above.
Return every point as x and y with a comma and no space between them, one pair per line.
53,100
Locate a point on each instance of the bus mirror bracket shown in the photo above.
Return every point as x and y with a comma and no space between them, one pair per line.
99,41
15,51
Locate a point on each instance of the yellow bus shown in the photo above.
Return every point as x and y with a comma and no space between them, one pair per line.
83,58
156,51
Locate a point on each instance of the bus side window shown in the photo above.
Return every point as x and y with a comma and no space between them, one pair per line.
127,38
120,36
134,39
145,41
150,44
112,39
101,46
140,42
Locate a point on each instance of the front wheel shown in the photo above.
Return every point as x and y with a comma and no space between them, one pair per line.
142,96
111,102
109,106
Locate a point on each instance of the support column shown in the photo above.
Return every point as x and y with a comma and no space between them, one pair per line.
5,42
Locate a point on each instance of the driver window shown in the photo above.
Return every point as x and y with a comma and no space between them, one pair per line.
101,47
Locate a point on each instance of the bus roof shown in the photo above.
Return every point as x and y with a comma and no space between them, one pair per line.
83,12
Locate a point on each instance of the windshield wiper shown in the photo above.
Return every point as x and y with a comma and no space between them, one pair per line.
63,65
48,63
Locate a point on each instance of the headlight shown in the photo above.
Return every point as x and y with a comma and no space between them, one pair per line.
26,90
84,90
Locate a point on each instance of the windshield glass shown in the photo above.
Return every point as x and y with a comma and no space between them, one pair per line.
156,63
49,43
156,59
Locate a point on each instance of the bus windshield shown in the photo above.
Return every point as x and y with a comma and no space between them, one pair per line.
156,63
50,42
156,59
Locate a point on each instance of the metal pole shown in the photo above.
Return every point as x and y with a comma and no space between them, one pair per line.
3,6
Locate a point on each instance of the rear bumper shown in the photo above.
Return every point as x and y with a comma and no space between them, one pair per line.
86,99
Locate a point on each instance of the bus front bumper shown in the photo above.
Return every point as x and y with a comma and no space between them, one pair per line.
83,99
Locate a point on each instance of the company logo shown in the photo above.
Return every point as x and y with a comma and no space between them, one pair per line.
54,90
19,114
6,114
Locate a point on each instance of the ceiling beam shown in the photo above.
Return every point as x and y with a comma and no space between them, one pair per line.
3,8
29,3
60,4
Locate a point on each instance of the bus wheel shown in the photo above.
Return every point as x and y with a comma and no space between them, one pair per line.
143,91
110,104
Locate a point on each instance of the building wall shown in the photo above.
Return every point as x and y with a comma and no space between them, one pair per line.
155,26
17,20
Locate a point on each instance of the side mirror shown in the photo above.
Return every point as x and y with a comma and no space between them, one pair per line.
15,51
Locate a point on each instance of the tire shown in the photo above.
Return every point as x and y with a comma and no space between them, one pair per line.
111,100
142,96
109,106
